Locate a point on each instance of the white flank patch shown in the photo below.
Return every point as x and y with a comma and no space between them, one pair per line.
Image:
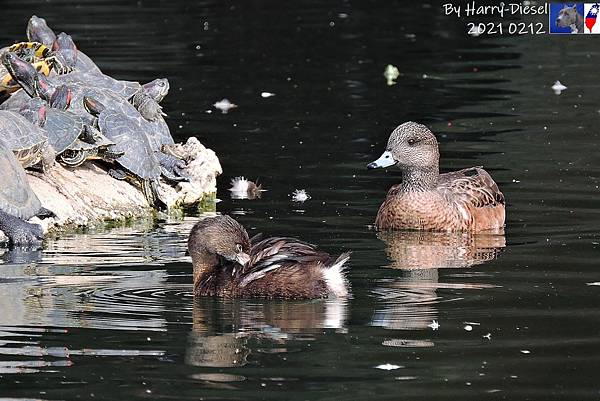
463,211
239,184
336,279
267,94
300,195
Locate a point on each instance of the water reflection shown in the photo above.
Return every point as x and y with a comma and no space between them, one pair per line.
139,242
433,250
410,301
104,278
223,328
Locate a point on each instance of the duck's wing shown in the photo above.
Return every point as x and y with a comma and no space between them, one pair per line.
278,253
471,185
256,238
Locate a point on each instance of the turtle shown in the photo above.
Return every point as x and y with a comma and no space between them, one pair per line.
157,132
28,142
146,100
144,97
138,161
36,54
73,141
18,202
38,30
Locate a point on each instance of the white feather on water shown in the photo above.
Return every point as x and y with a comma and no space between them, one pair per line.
239,184
558,87
224,105
300,195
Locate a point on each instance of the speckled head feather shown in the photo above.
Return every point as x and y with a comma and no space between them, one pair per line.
413,145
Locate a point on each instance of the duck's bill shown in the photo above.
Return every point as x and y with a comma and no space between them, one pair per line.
385,160
242,258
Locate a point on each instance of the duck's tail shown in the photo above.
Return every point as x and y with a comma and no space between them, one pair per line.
335,276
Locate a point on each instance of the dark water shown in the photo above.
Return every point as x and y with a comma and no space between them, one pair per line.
109,314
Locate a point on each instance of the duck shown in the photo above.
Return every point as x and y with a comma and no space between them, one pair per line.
227,263
463,200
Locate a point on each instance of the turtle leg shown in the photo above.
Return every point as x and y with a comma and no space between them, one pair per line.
117,174
172,167
150,191
20,232
74,158
48,158
147,106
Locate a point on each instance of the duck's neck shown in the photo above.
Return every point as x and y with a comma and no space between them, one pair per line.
420,179
203,263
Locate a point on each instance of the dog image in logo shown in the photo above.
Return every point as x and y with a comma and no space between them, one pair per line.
570,17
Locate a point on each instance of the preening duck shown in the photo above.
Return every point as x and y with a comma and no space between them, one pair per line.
228,263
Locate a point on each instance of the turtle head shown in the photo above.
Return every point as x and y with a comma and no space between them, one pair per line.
65,46
38,31
157,89
35,111
93,106
61,98
21,71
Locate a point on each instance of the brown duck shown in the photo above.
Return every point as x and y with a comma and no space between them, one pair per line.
464,200
228,263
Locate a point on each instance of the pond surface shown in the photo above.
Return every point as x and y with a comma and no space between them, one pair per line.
109,314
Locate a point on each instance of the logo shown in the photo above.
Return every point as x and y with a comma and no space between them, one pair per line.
567,18
591,13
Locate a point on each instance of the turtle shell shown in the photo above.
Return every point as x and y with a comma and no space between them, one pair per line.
18,99
138,156
126,89
63,128
16,196
85,64
26,140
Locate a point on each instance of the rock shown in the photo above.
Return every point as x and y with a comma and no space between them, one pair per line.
87,195
203,167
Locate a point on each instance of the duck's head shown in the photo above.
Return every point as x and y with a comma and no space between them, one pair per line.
220,237
410,146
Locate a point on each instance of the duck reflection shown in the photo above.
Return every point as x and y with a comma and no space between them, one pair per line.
409,302
223,328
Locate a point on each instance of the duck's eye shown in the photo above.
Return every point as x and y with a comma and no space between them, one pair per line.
238,248
412,141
